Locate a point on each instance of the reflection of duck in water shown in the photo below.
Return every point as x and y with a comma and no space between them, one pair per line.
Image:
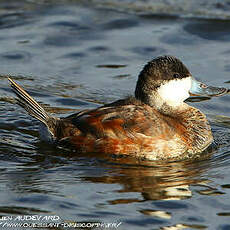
162,181
155,124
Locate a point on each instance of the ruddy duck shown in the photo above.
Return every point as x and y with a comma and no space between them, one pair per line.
155,124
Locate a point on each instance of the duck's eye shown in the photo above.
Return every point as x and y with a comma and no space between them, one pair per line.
176,75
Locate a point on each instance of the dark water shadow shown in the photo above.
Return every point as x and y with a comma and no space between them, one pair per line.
217,30
120,24
12,20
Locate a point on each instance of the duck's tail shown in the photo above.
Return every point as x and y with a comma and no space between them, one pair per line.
29,104
48,129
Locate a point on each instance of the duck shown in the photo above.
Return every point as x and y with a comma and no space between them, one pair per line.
155,124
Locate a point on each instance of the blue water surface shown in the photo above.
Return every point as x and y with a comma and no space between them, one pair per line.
73,55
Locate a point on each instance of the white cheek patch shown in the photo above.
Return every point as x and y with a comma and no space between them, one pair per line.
175,91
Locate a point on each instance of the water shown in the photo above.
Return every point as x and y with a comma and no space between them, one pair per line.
73,55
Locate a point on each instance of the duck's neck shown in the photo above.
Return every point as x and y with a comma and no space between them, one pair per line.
168,106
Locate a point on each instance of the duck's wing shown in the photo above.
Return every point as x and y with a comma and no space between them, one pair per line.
115,122
129,129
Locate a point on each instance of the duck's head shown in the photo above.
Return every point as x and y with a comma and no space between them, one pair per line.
166,81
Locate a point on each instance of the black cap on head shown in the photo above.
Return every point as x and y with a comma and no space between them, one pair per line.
164,68
156,72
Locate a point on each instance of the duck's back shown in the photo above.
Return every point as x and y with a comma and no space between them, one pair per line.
126,127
